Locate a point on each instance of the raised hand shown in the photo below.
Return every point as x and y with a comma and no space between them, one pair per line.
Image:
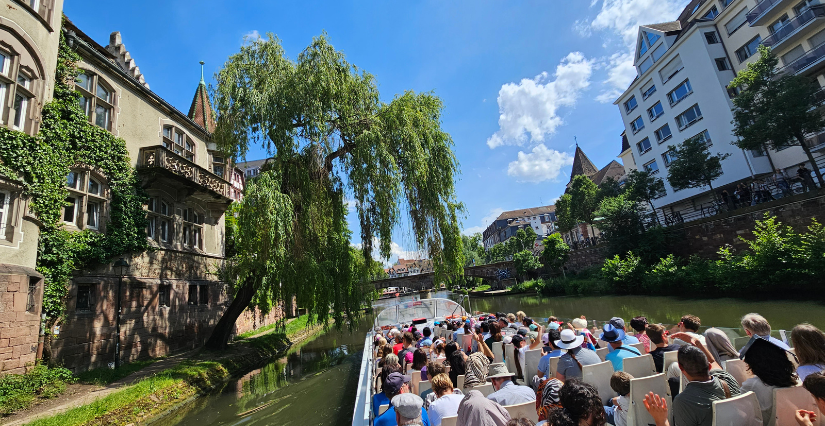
657,407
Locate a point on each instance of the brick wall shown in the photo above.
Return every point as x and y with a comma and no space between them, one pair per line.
19,319
585,258
704,237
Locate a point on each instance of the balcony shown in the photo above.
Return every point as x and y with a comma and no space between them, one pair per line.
765,11
816,142
157,162
792,31
811,61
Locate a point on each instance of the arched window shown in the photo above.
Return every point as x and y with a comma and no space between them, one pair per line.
86,202
20,83
179,142
96,99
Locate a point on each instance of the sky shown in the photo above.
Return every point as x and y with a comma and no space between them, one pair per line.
521,80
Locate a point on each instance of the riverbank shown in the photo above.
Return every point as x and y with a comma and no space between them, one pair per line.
142,398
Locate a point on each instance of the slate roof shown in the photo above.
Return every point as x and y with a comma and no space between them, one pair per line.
666,27
612,170
582,165
625,142
201,110
533,211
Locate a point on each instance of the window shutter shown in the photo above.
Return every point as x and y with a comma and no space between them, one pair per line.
737,21
670,69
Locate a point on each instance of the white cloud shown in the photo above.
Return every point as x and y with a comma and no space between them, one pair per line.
251,36
485,222
531,106
620,73
621,19
539,165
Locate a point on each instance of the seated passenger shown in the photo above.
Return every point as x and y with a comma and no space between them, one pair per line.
809,343
658,338
689,324
551,351
446,402
571,363
617,412
627,339
580,405
815,384
408,409
507,392
397,384
639,324
706,383
720,346
755,324
772,367
615,338
477,410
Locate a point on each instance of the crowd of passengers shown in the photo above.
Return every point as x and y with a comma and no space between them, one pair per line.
564,399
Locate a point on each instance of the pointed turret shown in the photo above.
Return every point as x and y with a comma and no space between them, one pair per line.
201,110
582,165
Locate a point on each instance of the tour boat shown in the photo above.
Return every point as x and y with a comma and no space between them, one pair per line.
421,313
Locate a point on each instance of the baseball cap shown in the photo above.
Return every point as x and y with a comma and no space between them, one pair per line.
522,332
553,325
408,405
533,327
517,339
394,382
617,322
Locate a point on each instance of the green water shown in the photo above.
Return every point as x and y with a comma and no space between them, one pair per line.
315,383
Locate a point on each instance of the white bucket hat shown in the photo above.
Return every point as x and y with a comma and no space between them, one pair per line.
569,340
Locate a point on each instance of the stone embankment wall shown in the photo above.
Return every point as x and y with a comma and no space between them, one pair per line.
704,237
585,258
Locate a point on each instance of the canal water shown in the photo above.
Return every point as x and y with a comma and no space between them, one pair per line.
314,384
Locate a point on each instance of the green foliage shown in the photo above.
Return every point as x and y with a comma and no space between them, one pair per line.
620,222
473,249
525,261
555,252
694,165
41,163
523,240
322,121
608,188
564,213
18,391
773,110
641,186
625,273
583,198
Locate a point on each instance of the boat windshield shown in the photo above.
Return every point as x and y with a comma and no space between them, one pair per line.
428,308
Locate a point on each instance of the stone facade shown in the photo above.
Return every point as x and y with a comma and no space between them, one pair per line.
705,237
21,297
585,258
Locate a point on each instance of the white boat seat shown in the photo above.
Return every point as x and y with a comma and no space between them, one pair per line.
382,408
738,369
598,375
531,363
740,410
526,410
787,400
424,386
449,421
657,384
498,351
601,352
460,382
639,366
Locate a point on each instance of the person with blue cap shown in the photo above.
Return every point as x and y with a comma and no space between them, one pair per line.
406,407
627,339
614,337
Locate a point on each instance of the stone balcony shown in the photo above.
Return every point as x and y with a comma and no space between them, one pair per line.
158,162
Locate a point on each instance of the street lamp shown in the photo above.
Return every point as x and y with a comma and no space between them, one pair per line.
121,266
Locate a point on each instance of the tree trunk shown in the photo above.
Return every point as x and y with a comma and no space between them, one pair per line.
655,216
223,330
807,150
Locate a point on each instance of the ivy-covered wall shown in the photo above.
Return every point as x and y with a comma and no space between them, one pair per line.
42,162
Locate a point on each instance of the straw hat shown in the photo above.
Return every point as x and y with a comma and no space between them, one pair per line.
579,323
569,340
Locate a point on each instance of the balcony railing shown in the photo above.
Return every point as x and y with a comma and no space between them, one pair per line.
761,8
794,24
810,57
163,158
816,142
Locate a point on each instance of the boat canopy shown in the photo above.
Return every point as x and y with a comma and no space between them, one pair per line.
429,309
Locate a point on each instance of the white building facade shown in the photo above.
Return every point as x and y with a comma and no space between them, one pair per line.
684,68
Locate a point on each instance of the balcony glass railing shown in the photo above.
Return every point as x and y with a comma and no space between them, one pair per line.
815,142
810,57
761,8
794,24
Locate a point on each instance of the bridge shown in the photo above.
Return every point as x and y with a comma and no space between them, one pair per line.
492,271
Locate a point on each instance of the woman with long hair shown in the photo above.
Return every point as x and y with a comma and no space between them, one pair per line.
419,362
772,368
457,360
809,343
495,335
580,406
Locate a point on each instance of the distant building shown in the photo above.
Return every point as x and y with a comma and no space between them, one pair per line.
252,168
407,267
541,219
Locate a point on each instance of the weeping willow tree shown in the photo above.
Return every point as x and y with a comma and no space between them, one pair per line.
329,136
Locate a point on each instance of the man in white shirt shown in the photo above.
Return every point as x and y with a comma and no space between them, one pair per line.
689,324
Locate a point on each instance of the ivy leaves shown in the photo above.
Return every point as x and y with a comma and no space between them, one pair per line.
41,163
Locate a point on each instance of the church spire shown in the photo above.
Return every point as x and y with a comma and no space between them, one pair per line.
201,110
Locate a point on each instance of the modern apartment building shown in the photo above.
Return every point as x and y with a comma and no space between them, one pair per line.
683,70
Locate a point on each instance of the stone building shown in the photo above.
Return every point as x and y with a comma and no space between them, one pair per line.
29,36
541,219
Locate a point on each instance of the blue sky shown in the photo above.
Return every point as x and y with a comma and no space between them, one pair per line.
519,79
